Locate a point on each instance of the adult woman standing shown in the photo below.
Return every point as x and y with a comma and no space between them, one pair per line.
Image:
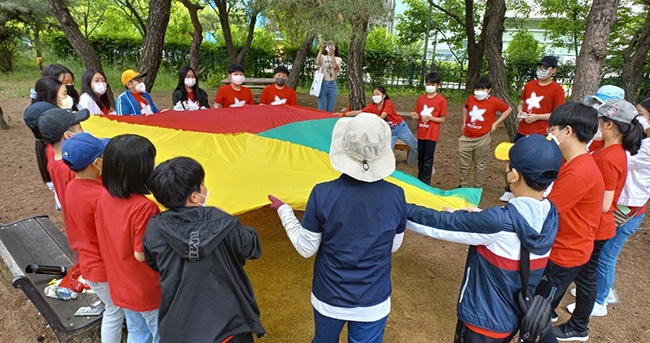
187,95
330,66
93,96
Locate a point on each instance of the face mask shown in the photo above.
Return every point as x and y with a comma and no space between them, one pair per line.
554,138
67,102
430,89
644,122
238,79
377,99
542,74
505,176
190,82
70,89
99,88
205,197
140,87
599,135
280,81
481,95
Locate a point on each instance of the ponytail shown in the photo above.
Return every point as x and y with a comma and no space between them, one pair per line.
632,138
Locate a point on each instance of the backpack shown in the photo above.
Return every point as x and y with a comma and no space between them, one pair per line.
536,308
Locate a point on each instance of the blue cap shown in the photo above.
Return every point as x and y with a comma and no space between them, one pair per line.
34,111
80,150
603,94
535,156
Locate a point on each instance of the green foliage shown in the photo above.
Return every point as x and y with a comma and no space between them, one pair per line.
380,52
565,22
521,58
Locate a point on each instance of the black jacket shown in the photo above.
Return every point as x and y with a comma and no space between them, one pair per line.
201,97
200,253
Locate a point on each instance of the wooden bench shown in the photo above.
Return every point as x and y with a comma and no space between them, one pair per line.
256,84
411,159
36,240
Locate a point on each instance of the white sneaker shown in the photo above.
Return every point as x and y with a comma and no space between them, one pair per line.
598,310
507,196
612,297
433,171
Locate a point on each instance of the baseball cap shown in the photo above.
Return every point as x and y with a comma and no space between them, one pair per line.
131,74
361,147
603,94
534,156
548,61
56,121
80,150
618,110
34,111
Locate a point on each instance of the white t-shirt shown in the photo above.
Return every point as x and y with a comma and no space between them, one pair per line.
327,69
86,102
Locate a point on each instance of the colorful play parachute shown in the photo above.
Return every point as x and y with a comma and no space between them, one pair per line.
252,151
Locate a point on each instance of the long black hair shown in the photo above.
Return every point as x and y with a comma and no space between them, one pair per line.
56,70
383,91
632,134
86,87
47,87
181,82
127,165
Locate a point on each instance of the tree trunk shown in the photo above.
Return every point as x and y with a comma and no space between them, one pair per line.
233,55
634,57
594,48
152,47
475,50
249,37
357,96
493,27
299,61
197,35
3,123
78,41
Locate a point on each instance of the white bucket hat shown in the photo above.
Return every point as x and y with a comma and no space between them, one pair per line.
361,147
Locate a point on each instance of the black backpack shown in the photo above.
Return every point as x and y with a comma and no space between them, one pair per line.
537,309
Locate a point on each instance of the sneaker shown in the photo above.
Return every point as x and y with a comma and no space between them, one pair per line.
612,297
507,196
433,171
598,310
573,292
554,317
564,333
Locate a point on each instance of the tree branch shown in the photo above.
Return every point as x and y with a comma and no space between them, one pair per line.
453,15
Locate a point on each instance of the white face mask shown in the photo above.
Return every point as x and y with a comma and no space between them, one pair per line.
542,74
99,88
481,95
67,103
377,98
554,137
644,122
205,197
599,135
430,89
141,87
238,79
190,82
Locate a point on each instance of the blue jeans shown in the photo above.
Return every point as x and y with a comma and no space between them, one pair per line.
113,315
142,326
403,132
327,97
328,330
609,255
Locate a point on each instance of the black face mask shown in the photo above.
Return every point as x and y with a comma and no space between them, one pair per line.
72,92
280,81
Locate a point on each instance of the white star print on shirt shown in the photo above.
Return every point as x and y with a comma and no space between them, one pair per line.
533,101
426,111
477,114
279,101
238,103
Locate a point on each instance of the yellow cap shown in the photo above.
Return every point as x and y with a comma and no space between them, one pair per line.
131,74
502,150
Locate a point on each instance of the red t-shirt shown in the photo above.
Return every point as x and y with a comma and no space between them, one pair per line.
271,94
227,96
578,195
121,224
612,162
482,114
61,175
540,100
596,145
393,118
81,202
437,106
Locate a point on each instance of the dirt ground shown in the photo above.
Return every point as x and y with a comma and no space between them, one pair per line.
426,272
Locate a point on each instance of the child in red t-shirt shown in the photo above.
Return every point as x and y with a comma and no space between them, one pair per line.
234,94
56,125
122,215
479,120
430,111
83,154
279,93
620,131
